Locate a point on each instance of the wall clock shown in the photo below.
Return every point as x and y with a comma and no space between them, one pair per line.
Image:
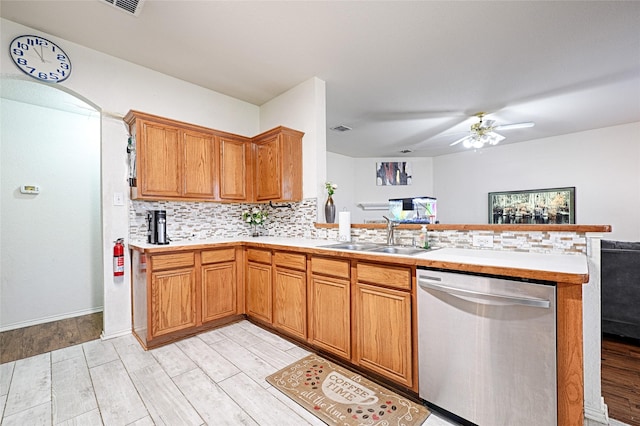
40,58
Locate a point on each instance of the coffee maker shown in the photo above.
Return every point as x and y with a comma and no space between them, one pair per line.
157,227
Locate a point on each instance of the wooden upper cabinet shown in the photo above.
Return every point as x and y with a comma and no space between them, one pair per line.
159,159
175,161
198,165
182,161
267,169
278,165
234,171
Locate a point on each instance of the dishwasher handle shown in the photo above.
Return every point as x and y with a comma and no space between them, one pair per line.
499,298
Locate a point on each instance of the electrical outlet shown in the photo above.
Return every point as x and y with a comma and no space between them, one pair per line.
485,241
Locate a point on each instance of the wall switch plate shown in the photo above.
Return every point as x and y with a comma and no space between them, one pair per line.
118,199
485,241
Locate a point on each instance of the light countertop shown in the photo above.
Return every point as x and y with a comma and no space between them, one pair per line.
454,258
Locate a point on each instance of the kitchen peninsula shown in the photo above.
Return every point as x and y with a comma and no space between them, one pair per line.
300,289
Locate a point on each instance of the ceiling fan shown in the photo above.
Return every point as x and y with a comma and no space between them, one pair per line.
483,132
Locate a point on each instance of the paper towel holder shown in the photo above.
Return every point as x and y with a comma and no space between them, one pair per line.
280,207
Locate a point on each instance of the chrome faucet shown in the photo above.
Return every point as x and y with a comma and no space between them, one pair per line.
391,225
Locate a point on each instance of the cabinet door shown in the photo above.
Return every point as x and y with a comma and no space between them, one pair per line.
198,170
383,324
234,157
290,313
268,175
258,294
160,172
173,304
330,326
218,291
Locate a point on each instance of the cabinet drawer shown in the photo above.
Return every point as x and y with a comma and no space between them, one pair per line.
220,255
260,256
169,261
290,260
334,267
391,276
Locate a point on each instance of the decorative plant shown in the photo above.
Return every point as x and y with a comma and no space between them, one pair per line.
255,216
331,188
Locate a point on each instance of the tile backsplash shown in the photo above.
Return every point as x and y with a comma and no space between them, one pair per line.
201,220
525,241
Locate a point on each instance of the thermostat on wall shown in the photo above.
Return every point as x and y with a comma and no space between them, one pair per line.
30,189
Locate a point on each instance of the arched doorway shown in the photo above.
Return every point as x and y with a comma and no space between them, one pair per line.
50,232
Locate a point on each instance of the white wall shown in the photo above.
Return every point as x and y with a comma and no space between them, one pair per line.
117,86
303,108
51,262
603,165
356,179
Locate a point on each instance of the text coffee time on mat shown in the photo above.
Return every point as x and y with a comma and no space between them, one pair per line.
338,396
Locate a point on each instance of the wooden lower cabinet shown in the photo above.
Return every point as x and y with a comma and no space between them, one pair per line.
330,327
330,305
290,308
178,294
384,337
218,291
173,301
290,293
259,286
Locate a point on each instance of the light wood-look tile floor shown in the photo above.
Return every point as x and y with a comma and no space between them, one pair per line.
215,378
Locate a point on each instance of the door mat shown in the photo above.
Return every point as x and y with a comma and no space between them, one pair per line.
338,396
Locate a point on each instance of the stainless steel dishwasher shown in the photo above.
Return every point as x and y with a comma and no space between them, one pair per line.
487,348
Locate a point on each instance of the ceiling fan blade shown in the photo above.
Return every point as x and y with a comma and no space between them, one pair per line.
495,138
515,125
462,139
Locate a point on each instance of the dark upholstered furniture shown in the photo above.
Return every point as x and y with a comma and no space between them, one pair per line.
621,288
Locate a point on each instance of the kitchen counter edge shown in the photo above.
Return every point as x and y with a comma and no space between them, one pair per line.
565,269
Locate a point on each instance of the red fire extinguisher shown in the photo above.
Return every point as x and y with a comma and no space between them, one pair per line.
118,258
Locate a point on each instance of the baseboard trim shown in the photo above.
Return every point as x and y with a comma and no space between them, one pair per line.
114,335
596,416
52,318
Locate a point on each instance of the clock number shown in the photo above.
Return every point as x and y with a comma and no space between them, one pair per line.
64,66
22,61
22,46
39,42
43,75
54,76
18,52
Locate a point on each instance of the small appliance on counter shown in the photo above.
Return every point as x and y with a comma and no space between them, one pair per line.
157,227
413,210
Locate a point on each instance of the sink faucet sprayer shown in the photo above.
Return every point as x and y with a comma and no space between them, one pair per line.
390,227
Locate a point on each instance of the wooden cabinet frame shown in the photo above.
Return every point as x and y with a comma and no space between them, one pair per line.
181,161
171,292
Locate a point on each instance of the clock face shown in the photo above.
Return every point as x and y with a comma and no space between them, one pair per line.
40,58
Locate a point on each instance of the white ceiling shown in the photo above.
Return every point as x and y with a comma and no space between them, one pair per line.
402,74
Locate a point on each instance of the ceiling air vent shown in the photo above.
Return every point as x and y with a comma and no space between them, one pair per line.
129,6
340,128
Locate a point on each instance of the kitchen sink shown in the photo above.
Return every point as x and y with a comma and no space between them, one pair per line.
352,246
398,250
377,248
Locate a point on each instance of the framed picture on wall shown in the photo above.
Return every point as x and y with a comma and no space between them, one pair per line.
393,173
535,206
